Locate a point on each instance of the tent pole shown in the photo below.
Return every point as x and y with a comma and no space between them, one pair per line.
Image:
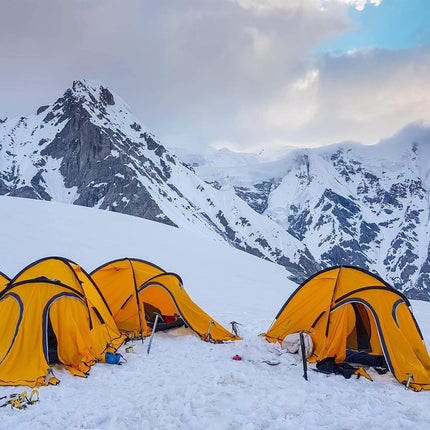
137,300
331,302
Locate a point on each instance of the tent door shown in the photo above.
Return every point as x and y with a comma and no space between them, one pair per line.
52,344
359,337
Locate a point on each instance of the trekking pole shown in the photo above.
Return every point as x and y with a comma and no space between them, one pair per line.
157,315
305,362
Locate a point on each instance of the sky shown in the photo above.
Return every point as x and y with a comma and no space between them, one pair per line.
241,74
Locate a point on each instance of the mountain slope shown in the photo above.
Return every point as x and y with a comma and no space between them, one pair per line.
350,204
88,149
343,204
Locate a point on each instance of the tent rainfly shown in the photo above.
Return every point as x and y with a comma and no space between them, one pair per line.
4,280
135,289
348,310
52,312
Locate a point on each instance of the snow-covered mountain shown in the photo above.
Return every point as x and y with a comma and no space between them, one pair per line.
88,149
343,204
348,203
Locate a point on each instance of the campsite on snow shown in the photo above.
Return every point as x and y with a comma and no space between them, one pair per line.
185,382
215,214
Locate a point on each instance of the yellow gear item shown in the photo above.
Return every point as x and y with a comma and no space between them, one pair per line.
34,393
361,372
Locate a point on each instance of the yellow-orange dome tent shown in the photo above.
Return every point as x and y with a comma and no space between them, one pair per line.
4,280
347,308
130,285
52,303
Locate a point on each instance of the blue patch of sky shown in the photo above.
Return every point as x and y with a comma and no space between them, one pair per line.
394,24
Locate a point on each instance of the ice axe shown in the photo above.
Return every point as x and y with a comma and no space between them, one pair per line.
157,316
234,328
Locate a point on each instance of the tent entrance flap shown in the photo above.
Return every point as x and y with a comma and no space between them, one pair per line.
52,344
359,338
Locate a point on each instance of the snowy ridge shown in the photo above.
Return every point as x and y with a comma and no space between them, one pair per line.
313,208
95,153
350,204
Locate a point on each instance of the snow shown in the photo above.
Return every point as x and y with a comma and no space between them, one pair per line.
228,167
185,383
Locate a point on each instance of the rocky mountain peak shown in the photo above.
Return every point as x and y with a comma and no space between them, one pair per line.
346,204
94,91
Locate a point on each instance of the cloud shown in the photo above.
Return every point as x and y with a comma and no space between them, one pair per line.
360,96
296,105
196,72
187,68
269,6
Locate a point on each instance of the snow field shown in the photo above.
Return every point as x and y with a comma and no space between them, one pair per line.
185,383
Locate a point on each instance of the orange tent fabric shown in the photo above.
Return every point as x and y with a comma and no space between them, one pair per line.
52,292
4,280
130,285
341,306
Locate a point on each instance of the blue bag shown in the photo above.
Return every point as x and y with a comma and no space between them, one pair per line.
112,358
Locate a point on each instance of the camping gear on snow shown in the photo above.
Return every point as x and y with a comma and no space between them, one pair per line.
346,309
329,365
303,354
291,344
19,401
52,312
129,349
300,343
131,286
235,328
238,357
112,358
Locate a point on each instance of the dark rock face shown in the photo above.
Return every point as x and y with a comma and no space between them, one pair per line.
257,196
106,97
42,109
376,220
94,160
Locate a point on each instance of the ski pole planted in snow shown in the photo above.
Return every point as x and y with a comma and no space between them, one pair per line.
305,363
157,315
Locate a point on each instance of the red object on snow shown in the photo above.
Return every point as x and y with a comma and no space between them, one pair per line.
237,358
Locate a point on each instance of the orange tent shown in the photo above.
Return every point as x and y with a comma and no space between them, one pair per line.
349,309
133,288
4,280
52,306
